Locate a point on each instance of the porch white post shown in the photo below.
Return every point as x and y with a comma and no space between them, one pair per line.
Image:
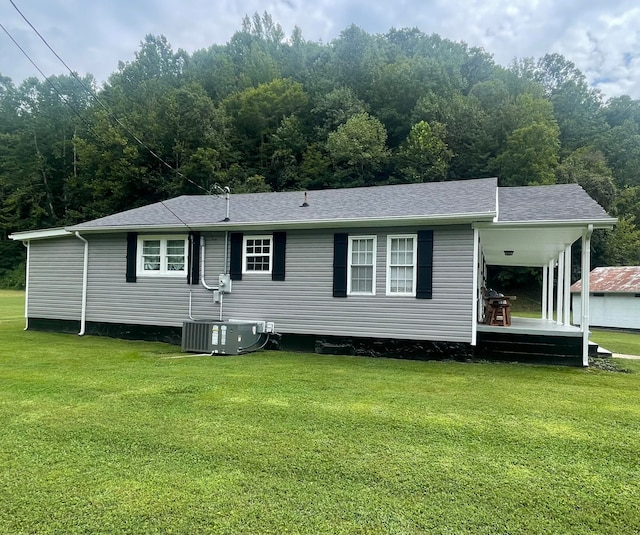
550,290
560,299
586,269
476,294
567,285
545,275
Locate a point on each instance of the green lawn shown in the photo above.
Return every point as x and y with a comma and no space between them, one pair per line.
108,436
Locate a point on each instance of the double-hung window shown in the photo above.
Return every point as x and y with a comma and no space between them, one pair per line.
361,275
162,256
258,253
401,265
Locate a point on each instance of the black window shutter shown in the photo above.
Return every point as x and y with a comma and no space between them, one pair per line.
279,256
132,253
424,284
235,269
193,275
340,249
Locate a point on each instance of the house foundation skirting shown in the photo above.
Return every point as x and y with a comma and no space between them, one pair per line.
492,346
150,333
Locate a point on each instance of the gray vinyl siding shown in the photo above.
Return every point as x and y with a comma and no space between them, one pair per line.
149,301
301,304
55,278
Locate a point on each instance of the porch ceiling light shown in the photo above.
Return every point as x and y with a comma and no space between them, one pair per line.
508,253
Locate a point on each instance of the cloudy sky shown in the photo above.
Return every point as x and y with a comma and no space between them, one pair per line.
602,37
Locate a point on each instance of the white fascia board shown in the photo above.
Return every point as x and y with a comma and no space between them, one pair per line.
597,223
40,234
451,219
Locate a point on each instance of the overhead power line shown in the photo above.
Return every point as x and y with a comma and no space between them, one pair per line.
97,99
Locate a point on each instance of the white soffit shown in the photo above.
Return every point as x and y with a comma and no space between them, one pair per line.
531,246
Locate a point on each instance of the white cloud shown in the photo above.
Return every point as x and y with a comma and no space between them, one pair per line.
601,37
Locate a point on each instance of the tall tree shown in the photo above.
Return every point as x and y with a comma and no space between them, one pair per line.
358,148
424,156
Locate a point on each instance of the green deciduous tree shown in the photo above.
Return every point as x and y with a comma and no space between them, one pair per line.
424,156
530,157
358,147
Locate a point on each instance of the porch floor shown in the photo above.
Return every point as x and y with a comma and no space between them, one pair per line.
535,326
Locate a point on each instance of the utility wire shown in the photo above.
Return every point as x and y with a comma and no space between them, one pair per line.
102,105
99,101
68,104
55,89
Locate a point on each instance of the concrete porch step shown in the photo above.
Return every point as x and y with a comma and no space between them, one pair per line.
596,351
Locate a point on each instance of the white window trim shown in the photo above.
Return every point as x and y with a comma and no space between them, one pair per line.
163,272
349,255
244,253
415,264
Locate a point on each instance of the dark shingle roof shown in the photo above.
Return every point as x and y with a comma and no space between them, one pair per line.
429,201
444,201
560,202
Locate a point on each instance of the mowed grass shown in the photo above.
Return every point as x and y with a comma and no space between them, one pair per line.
108,436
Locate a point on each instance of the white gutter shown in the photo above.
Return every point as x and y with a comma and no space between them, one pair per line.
435,219
597,223
39,234
85,278
27,244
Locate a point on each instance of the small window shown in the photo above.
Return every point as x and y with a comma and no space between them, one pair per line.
597,294
401,265
162,256
362,265
257,254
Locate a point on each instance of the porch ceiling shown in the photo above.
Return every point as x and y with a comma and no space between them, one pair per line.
531,246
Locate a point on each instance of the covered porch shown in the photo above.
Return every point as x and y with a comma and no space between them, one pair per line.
544,245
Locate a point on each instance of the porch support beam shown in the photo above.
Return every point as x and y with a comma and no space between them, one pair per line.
550,290
585,271
545,276
560,299
567,285
477,298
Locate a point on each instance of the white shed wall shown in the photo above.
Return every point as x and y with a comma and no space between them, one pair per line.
617,310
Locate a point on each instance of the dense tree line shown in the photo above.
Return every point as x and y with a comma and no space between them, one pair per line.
271,112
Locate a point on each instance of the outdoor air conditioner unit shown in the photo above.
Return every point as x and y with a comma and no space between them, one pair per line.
220,337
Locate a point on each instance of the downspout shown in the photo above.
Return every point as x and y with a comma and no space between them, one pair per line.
586,272
85,278
27,245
